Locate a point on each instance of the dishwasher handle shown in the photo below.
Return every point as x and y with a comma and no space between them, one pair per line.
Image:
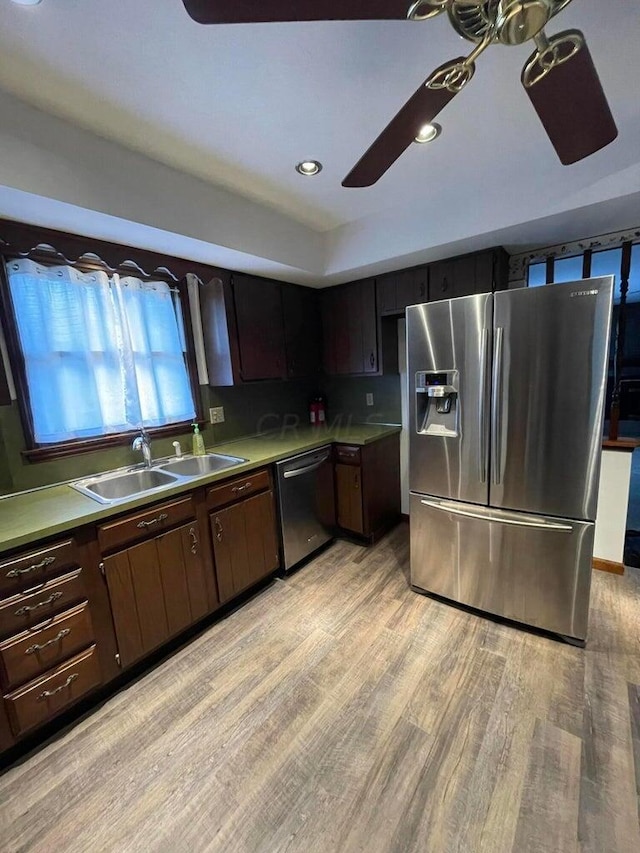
297,472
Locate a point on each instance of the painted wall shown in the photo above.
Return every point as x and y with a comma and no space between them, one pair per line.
613,501
346,399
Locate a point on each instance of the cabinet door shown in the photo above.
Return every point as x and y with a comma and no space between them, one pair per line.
412,288
349,498
301,330
244,543
441,281
182,573
350,328
258,305
137,600
229,548
369,324
335,330
387,294
157,589
260,525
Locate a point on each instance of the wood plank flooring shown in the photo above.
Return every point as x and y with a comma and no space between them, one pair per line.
340,711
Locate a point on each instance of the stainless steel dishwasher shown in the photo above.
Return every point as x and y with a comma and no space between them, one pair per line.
307,503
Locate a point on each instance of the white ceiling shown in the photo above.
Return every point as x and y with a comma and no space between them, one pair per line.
238,106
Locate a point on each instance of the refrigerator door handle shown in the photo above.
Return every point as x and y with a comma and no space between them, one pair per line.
496,421
454,509
484,347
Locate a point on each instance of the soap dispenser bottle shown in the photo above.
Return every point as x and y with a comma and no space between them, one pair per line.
198,441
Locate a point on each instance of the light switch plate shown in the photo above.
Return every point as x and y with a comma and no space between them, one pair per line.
369,399
216,415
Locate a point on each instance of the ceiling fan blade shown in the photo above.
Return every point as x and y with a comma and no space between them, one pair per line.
421,108
565,90
252,12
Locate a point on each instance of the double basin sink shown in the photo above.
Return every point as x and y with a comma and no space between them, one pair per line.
120,485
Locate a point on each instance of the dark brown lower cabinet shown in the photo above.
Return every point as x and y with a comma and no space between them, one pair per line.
245,545
368,487
157,588
349,497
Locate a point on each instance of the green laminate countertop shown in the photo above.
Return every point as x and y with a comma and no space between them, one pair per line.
41,513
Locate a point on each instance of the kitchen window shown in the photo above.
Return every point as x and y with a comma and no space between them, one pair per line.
102,354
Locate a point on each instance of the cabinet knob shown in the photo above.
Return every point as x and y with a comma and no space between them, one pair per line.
445,283
372,360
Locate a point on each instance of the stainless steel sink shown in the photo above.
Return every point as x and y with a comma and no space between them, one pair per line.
196,466
108,488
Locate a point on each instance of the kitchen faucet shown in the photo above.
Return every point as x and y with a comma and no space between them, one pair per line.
143,442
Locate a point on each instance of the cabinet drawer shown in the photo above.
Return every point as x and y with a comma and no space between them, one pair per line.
23,571
31,652
237,489
22,611
144,524
347,454
40,700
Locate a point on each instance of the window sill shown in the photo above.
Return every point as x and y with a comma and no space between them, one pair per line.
45,452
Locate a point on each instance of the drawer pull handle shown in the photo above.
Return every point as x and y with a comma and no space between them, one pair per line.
28,608
194,540
159,518
38,647
241,488
47,693
218,530
15,573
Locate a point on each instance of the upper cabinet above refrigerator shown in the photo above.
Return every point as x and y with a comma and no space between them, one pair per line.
449,345
550,353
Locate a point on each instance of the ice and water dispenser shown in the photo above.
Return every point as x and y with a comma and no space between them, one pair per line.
437,403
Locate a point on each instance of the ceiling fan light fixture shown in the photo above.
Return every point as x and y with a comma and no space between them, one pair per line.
27,2
309,168
428,132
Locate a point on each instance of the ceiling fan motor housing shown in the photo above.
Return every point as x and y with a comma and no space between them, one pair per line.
518,21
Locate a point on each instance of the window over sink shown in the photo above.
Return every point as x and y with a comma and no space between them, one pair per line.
102,353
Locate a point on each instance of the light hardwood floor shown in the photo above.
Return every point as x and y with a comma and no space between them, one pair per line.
339,711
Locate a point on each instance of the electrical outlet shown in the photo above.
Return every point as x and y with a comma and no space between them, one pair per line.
216,415
369,399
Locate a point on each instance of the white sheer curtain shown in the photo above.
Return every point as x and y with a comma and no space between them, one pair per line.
102,355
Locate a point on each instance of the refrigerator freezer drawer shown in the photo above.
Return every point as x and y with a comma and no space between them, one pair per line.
528,568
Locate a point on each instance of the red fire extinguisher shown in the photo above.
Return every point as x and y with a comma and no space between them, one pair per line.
322,410
318,410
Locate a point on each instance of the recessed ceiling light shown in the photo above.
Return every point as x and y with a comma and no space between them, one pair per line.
27,2
309,167
428,132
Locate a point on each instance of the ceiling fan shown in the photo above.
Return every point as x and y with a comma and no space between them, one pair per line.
559,77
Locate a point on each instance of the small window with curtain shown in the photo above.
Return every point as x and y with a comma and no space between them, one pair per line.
102,354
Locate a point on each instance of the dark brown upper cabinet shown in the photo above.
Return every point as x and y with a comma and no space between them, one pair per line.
258,304
396,290
255,328
302,331
350,329
482,272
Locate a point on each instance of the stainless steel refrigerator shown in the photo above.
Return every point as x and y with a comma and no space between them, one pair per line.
506,400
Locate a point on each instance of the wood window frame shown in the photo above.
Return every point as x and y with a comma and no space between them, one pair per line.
48,246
